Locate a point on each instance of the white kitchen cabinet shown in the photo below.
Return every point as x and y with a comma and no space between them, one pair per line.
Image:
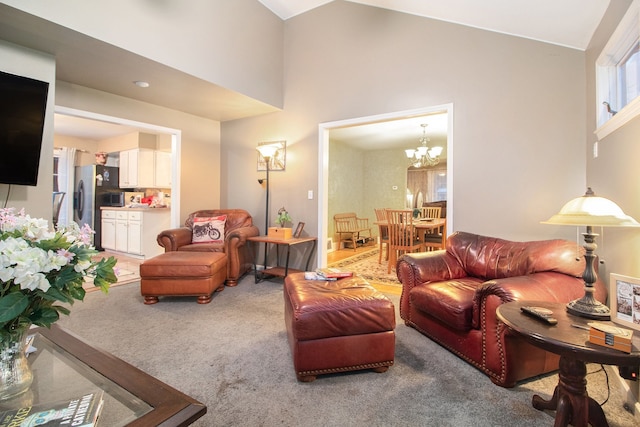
108,223
137,168
162,169
136,230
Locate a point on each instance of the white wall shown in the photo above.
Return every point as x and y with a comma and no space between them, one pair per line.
36,200
519,113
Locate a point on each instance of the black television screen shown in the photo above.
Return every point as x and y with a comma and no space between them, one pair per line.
23,104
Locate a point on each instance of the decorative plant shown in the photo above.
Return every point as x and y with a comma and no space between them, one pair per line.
416,212
283,217
40,267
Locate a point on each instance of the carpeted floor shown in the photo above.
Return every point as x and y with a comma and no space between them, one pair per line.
233,356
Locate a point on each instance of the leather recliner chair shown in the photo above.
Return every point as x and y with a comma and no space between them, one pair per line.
238,226
451,296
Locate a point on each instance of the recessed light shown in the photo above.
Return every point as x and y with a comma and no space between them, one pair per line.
141,83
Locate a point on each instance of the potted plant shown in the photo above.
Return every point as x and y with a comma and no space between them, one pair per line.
282,219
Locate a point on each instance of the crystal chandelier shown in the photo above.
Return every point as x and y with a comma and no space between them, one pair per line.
423,155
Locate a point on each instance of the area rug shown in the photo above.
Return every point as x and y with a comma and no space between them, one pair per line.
366,265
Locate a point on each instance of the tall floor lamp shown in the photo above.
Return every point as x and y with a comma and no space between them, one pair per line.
267,151
591,210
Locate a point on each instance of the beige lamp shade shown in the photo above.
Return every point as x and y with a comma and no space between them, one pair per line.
592,210
267,151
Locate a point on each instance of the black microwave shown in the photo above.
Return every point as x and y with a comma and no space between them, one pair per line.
115,199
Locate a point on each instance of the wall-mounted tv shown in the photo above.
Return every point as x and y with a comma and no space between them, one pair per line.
23,103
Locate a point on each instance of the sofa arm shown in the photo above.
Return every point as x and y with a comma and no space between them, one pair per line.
172,239
239,253
416,268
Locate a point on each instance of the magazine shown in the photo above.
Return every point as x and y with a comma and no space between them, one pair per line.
333,273
82,411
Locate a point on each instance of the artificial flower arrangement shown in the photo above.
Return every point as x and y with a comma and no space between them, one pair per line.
40,267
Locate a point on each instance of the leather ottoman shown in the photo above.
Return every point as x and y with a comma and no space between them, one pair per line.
183,274
337,326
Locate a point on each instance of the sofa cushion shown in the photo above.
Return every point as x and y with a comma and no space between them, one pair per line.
492,258
451,302
209,229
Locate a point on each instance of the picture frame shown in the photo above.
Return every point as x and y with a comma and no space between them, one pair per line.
624,297
278,161
299,229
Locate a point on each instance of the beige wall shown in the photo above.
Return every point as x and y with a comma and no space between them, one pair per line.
614,173
36,200
518,113
202,39
200,140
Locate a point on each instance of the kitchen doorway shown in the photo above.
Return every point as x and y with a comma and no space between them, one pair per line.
128,126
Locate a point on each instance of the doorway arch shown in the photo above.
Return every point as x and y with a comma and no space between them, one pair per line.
324,130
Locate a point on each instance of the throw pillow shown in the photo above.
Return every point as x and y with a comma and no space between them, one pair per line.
208,229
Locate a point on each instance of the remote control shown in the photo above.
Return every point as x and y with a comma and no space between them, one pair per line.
540,313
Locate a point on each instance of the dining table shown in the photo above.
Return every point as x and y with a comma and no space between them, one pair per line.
424,225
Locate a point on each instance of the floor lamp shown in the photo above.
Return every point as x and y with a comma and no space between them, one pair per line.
591,210
267,152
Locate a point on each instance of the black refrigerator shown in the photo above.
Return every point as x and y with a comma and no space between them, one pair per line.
95,186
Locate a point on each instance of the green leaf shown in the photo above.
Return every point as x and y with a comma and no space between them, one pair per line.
12,305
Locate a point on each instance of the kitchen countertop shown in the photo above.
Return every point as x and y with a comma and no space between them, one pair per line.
136,208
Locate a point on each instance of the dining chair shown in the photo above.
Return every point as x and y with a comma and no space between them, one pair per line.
383,233
430,212
436,239
402,235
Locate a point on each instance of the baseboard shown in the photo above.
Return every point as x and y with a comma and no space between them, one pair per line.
632,404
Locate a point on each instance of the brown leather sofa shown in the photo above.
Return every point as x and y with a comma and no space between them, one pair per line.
451,296
238,227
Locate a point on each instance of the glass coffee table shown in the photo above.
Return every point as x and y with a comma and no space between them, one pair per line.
65,367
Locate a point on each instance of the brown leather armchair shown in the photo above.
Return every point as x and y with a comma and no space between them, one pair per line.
238,227
451,296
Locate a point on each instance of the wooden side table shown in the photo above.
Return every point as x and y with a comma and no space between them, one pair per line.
567,339
278,270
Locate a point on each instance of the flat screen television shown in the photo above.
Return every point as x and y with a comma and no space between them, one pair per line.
23,103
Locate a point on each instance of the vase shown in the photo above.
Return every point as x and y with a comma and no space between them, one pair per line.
15,373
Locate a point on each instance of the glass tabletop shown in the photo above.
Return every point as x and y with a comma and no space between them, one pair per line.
65,367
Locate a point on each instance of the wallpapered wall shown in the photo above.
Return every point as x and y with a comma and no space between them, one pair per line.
360,181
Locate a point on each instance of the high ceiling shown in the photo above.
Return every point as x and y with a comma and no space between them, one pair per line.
569,23
88,62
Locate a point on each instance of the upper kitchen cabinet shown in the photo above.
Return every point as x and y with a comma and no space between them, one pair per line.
137,168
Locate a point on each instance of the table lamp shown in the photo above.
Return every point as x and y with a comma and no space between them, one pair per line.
267,151
591,210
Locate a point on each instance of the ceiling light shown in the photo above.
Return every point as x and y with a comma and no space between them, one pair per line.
141,83
423,155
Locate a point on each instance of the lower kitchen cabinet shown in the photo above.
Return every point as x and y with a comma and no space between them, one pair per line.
134,232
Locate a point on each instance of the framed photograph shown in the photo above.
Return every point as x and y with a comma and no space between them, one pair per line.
278,161
299,229
624,297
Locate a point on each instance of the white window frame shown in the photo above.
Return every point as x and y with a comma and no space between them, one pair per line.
626,36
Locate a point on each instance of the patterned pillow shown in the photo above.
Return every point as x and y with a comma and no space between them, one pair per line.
208,229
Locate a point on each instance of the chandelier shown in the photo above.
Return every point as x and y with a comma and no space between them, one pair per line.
423,155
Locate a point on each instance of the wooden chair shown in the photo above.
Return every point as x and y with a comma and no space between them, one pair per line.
436,239
402,235
383,233
349,227
430,212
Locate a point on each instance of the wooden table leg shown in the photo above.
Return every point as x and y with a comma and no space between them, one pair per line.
570,398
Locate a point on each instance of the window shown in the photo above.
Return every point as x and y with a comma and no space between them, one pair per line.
618,75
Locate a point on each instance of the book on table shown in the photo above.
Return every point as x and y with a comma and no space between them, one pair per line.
333,273
82,411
